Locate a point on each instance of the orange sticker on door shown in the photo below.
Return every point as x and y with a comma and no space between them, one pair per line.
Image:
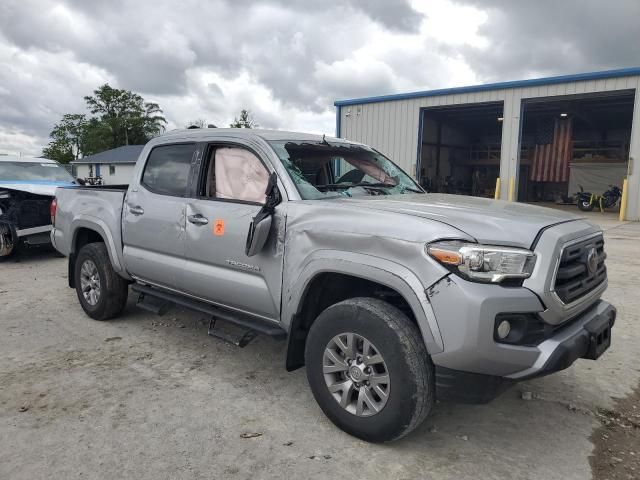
218,227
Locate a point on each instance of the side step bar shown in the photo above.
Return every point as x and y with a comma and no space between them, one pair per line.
153,304
161,298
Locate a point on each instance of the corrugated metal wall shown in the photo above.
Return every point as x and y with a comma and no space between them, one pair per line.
392,126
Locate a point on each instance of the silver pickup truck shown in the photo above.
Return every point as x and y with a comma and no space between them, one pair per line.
391,297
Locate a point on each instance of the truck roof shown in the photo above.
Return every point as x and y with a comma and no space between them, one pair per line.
267,135
13,158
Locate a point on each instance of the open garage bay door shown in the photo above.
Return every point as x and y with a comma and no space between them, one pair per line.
460,148
571,141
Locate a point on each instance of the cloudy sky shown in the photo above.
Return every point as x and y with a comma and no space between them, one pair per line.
285,60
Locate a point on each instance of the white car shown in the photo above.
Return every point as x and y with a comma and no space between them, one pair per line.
27,188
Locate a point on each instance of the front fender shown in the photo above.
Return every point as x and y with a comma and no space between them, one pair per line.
385,272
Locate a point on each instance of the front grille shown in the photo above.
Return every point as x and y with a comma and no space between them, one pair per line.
574,279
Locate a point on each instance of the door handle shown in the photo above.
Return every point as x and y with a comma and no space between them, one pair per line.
137,210
197,219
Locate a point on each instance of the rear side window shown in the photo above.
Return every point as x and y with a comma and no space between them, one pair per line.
167,169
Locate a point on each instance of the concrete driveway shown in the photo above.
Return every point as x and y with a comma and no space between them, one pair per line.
149,397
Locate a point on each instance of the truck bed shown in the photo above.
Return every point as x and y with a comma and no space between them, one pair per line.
97,208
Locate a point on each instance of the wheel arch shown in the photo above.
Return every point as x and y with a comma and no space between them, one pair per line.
334,277
90,231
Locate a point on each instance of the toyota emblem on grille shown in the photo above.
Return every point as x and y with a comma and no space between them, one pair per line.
592,260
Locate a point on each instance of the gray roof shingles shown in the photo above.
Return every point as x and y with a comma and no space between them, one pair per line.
125,154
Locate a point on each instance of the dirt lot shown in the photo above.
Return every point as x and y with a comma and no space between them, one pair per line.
617,453
149,397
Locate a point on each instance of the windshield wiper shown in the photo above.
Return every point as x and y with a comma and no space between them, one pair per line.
351,185
411,189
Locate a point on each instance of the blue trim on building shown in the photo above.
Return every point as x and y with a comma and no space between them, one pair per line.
48,183
622,72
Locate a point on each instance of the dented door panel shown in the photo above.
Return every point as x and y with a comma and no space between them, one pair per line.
217,268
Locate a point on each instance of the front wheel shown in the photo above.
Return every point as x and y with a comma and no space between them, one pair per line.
369,370
585,205
101,291
8,241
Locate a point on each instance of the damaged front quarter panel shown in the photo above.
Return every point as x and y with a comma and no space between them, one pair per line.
20,211
380,247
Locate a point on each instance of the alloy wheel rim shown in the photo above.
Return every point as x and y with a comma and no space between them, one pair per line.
355,374
90,282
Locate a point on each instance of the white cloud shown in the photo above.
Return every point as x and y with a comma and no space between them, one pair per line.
285,60
452,23
37,88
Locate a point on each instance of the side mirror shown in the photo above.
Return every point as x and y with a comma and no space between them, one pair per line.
261,224
258,236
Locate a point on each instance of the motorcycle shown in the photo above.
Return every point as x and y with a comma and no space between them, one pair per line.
92,180
587,201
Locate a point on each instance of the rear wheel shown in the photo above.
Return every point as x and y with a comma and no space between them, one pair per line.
369,370
101,291
585,205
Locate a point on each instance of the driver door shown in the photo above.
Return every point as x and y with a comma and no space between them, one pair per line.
230,192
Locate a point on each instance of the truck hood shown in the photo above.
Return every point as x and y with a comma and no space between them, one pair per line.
489,221
37,188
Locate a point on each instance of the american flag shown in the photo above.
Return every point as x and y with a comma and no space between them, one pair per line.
553,151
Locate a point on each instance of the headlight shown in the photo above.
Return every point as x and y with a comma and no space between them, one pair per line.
483,263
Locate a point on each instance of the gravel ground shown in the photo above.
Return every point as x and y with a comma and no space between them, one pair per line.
617,454
149,397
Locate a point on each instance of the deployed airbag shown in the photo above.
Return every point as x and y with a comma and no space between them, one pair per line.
240,175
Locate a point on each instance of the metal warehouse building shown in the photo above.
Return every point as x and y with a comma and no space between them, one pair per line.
543,138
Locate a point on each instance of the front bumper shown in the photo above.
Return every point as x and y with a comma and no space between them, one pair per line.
475,368
588,338
35,235
46,229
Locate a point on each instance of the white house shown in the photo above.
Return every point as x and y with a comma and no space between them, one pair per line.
114,166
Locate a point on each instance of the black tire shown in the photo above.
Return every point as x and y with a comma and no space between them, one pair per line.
113,288
12,255
9,230
585,205
398,340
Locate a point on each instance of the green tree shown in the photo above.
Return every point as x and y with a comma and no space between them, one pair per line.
245,120
98,137
118,117
60,152
199,123
67,138
131,120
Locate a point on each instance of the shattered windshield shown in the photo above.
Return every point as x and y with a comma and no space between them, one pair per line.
329,170
33,172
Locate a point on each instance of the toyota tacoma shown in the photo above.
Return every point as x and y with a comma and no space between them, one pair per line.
391,297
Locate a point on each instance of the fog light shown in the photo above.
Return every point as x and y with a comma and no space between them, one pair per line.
503,329
525,329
